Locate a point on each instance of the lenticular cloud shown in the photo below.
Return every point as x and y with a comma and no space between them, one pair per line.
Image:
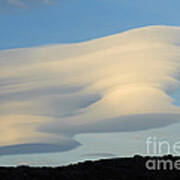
118,83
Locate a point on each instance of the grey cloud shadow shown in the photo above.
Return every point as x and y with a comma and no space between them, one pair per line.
120,124
101,154
37,148
38,92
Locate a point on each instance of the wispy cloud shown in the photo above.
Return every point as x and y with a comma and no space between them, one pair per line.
22,3
17,3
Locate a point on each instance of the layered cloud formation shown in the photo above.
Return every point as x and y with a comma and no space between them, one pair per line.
118,83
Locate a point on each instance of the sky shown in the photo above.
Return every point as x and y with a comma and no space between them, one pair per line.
74,67
31,23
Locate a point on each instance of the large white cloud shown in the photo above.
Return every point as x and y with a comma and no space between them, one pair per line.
118,83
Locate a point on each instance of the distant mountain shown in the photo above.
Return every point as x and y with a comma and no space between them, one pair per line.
138,167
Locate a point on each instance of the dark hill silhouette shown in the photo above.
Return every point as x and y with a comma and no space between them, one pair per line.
109,169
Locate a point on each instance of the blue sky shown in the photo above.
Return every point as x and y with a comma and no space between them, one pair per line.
78,20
